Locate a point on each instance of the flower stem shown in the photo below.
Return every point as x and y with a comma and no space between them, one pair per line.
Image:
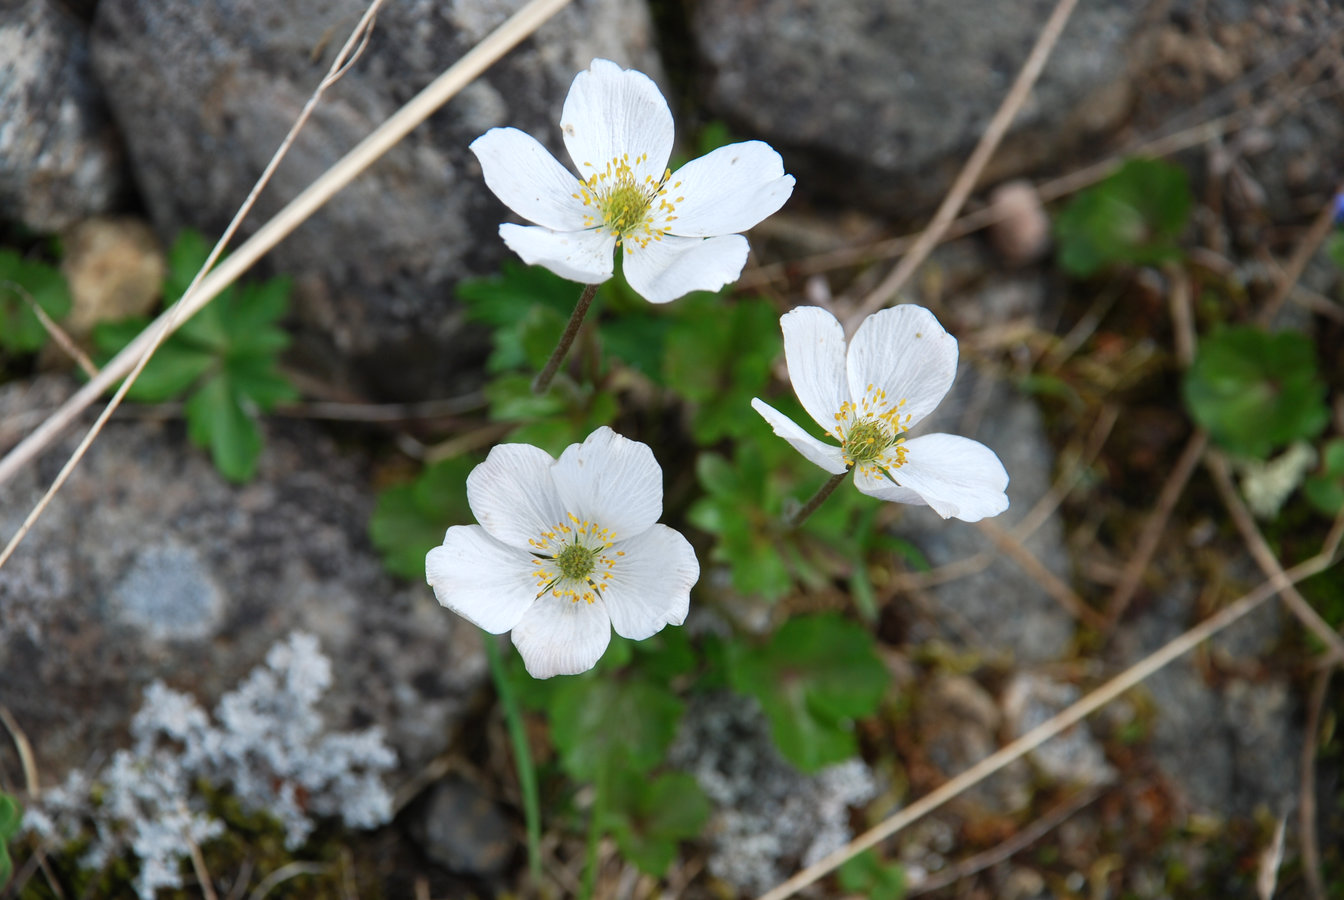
596,815
527,773
826,490
571,330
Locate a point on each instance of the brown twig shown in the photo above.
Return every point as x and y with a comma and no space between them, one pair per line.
1265,558
1302,254
1150,536
1010,847
32,784
1049,581
1065,719
970,172
1306,805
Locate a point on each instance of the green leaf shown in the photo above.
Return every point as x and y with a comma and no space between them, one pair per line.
216,419
1135,216
255,376
1255,391
172,370
721,368
1334,248
816,675
607,722
11,817
20,330
410,519
1325,492
866,875
649,816
566,414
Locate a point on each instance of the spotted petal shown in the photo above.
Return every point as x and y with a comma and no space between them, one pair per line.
582,256
828,456
529,181
612,481
956,476
513,495
814,347
483,581
560,636
651,584
614,113
905,352
728,190
666,269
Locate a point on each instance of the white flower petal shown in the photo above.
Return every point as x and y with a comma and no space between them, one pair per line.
827,456
666,269
485,582
958,477
651,585
614,113
559,636
814,347
513,495
612,481
905,352
728,190
582,256
529,181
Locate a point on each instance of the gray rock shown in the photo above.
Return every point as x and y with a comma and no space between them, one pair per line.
885,97
60,159
463,830
149,565
205,91
1232,745
1074,757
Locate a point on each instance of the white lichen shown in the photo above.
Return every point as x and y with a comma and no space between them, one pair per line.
269,749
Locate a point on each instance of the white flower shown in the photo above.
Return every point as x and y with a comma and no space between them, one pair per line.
566,550
679,230
899,366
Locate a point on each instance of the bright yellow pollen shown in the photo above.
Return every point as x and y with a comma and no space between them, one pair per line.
572,559
634,209
872,432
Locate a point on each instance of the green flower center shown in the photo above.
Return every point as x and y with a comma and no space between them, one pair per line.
631,208
872,432
574,559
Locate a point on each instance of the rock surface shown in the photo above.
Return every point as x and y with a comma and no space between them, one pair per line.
149,565
205,92
885,99
60,159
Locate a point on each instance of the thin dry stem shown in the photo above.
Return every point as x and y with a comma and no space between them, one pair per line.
1306,805
56,332
970,172
1265,558
32,784
133,358
1067,718
1302,254
284,873
1051,583
202,873
1150,536
1010,847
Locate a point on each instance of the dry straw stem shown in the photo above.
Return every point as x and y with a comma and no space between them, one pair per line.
32,784
1067,718
415,111
970,172
1306,804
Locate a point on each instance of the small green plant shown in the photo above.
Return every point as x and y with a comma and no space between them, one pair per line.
1134,217
20,280
813,678
223,360
1325,490
11,817
1255,391
868,876
410,518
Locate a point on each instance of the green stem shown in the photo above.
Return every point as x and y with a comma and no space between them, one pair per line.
597,813
571,330
527,773
827,489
